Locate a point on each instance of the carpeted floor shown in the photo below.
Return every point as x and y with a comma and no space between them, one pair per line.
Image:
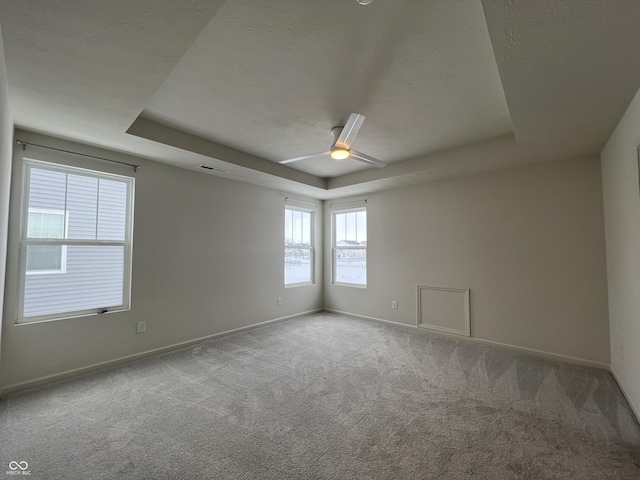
327,397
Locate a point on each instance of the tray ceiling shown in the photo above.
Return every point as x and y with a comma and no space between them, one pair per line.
243,84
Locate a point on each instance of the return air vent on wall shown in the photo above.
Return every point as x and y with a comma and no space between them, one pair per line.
210,169
444,309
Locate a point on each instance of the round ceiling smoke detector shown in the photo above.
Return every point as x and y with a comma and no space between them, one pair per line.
364,2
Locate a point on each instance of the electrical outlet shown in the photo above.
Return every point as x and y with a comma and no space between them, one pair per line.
280,301
141,327
394,304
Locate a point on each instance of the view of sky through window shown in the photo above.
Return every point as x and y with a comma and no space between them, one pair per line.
351,226
350,247
298,253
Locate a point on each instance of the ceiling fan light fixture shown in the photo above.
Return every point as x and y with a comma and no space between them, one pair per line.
338,153
341,147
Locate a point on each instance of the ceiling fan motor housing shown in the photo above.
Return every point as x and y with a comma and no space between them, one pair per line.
336,133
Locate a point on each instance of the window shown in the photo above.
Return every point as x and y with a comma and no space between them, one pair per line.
298,246
75,242
350,247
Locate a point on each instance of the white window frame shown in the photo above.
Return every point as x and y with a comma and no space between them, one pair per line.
63,249
127,243
311,243
335,247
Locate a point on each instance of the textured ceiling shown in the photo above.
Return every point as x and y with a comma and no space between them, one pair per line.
273,78
85,70
569,68
449,87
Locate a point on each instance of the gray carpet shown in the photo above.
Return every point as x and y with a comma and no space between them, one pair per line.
327,397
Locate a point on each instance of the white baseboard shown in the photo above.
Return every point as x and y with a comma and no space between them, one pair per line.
129,358
530,351
76,372
634,408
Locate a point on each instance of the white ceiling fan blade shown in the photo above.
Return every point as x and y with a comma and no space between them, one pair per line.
366,159
350,130
297,159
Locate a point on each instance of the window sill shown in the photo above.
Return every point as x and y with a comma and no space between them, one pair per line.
352,285
25,321
296,285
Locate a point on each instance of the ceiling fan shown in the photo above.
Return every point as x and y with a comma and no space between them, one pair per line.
340,149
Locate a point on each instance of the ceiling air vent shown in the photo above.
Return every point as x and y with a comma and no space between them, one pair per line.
210,169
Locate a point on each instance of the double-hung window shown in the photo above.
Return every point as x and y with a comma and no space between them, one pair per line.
298,246
350,247
76,238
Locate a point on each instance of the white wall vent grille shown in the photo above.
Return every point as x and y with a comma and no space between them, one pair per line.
210,169
444,309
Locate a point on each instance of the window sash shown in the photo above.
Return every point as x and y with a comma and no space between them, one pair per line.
42,165
126,280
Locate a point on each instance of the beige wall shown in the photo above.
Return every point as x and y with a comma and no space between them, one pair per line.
528,242
6,139
208,258
622,226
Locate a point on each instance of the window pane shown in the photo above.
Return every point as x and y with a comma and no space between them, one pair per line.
351,265
300,228
112,210
351,226
351,229
297,226
94,278
306,228
47,190
340,228
82,206
297,265
288,226
361,222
